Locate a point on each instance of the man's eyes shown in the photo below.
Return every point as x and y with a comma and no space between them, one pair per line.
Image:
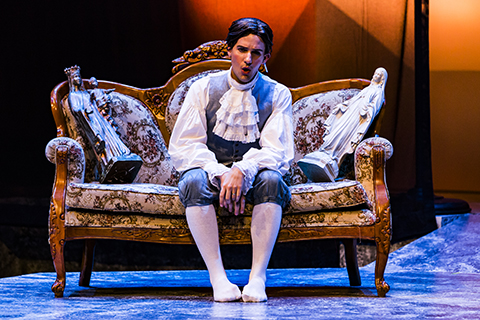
244,50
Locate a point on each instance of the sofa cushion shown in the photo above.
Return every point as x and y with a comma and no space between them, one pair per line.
163,200
80,218
133,198
327,196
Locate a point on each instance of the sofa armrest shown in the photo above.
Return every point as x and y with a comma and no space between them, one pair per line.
75,166
370,159
69,160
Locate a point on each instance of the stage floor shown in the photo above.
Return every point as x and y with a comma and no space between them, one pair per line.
434,277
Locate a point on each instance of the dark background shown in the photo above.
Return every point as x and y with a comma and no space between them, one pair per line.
131,43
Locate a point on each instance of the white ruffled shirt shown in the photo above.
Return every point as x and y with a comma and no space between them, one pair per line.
237,117
188,147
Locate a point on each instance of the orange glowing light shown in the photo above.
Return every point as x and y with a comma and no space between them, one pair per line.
454,35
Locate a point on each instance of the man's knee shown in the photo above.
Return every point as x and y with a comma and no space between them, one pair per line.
270,187
270,180
191,178
194,188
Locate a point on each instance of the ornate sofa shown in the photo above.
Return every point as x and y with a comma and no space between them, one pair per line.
355,206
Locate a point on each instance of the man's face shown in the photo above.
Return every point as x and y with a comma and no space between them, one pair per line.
247,56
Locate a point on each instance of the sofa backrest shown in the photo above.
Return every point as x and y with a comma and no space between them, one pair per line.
311,106
309,115
140,115
146,116
138,130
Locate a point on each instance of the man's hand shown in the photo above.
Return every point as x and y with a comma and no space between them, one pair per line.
231,185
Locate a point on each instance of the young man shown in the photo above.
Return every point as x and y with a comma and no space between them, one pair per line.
233,141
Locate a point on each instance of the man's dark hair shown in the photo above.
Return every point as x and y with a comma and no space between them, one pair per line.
243,27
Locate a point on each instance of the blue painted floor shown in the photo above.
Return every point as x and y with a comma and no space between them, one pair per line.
434,277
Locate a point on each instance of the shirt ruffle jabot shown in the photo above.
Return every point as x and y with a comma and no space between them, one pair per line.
237,117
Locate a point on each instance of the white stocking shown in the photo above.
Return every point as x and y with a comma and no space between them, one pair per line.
202,222
266,219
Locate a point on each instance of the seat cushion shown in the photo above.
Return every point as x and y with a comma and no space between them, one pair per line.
157,199
133,198
327,196
81,218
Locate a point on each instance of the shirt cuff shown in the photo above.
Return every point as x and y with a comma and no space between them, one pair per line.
215,171
249,169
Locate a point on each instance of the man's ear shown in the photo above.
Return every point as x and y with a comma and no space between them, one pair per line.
266,57
229,51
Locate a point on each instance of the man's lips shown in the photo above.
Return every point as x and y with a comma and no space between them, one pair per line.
246,69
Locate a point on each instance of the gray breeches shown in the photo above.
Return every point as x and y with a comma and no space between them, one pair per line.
195,189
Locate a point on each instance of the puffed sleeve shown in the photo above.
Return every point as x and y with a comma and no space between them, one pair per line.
188,147
276,140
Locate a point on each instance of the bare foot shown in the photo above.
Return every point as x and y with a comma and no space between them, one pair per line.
254,291
225,291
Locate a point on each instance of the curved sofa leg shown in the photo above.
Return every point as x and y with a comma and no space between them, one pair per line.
383,227
87,263
57,244
351,261
380,264
57,219
382,239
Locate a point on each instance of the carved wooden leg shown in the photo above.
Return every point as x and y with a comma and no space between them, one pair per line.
381,263
383,229
351,261
57,244
57,220
382,239
87,263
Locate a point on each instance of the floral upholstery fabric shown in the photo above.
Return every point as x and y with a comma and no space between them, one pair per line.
139,132
163,200
325,196
364,166
309,115
133,198
178,96
79,218
76,157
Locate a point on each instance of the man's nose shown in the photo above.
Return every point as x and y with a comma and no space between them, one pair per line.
248,58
